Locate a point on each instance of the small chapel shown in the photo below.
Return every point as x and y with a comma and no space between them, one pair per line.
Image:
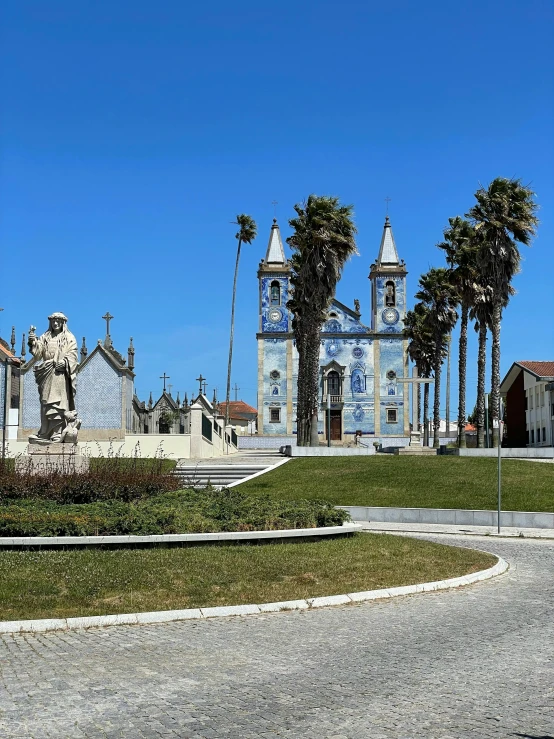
360,364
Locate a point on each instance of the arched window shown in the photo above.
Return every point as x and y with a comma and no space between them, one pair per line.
390,294
333,383
275,293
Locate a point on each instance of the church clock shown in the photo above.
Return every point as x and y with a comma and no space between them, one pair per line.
390,316
275,315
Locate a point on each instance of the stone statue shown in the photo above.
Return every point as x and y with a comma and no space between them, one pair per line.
56,380
356,305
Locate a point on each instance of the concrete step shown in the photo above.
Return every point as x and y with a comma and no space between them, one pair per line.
216,475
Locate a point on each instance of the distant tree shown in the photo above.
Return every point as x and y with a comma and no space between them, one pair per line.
323,240
246,234
503,217
461,256
439,296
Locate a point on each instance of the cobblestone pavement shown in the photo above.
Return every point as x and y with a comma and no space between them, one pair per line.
477,662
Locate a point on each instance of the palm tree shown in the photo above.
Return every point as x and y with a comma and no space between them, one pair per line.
461,256
437,293
421,351
481,313
503,216
246,233
323,239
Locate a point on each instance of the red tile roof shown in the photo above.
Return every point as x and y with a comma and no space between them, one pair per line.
542,369
237,408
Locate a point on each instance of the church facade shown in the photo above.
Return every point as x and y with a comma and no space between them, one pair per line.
360,365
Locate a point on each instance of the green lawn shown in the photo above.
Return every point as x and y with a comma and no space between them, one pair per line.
427,482
50,584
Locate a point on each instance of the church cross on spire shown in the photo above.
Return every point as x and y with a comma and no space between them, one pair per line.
164,377
201,380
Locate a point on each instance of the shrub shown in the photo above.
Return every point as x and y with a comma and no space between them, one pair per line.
113,478
185,511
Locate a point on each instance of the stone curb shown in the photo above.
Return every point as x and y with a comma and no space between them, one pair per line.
86,622
57,541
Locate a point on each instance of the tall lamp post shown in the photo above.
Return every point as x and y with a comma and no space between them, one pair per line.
487,420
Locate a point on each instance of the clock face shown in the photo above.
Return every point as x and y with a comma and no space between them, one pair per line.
275,315
390,316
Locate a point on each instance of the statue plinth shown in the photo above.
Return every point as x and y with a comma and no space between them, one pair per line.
44,457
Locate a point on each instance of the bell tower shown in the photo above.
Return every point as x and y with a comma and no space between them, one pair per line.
390,348
274,340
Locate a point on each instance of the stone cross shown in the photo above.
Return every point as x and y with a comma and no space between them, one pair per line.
415,436
108,317
201,380
164,377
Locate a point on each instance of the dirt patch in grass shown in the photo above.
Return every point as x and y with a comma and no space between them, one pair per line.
412,482
57,584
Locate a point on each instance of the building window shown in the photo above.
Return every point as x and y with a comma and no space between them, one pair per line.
390,294
530,400
275,415
526,403
274,374
333,383
532,436
391,415
275,293
544,433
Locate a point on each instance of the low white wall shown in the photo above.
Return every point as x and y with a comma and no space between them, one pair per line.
451,516
545,452
328,451
172,446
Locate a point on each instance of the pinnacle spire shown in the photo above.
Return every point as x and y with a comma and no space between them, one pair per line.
275,252
387,251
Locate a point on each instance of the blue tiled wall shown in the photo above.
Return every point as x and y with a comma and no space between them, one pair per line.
31,401
99,395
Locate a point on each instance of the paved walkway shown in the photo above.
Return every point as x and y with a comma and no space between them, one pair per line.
474,663
435,528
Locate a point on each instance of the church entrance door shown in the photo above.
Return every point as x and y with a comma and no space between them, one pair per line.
336,425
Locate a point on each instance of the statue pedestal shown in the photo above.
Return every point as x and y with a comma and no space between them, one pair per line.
45,458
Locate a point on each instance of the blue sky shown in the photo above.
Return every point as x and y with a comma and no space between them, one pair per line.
134,132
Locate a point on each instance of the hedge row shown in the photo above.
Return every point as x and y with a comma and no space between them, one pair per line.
186,511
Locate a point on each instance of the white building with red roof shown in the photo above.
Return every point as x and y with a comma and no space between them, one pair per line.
529,392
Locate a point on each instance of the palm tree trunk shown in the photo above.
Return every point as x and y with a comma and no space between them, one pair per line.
308,386
426,414
437,400
231,337
462,368
481,370
495,373
312,383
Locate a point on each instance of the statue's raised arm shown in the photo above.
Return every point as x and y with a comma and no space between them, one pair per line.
55,377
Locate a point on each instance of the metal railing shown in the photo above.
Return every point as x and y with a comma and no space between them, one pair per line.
206,428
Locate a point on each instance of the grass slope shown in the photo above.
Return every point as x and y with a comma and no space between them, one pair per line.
50,584
426,482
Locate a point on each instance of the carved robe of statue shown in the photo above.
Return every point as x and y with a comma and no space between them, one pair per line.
55,376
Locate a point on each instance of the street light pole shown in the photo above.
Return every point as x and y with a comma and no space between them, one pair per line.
328,419
500,414
486,420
